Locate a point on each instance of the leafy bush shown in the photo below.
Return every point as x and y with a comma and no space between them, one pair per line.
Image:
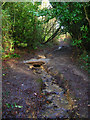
83,60
75,19
21,28
7,42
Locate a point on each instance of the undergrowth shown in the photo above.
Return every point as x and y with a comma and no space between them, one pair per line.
84,61
10,55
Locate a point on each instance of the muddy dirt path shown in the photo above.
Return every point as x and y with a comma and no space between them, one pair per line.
71,78
55,90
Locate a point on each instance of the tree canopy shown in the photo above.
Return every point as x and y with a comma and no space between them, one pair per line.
29,25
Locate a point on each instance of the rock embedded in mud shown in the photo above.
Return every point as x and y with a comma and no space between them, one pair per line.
54,88
37,61
41,56
48,83
52,114
50,97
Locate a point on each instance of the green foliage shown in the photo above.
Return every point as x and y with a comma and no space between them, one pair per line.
6,31
26,25
83,60
20,26
77,43
6,93
10,55
13,105
39,80
4,74
73,17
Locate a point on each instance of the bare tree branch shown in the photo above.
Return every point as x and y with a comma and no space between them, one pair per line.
54,35
87,16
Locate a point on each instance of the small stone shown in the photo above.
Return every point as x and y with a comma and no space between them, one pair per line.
47,83
35,94
50,97
22,84
41,56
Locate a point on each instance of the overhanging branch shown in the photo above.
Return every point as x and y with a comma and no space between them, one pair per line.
54,35
87,16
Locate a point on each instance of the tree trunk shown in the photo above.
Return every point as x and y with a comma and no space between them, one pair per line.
87,16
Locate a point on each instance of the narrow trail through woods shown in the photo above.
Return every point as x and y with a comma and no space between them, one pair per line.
57,89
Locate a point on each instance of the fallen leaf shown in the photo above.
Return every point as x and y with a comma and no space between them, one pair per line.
40,96
8,83
48,102
61,76
29,116
28,103
33,114
27,111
